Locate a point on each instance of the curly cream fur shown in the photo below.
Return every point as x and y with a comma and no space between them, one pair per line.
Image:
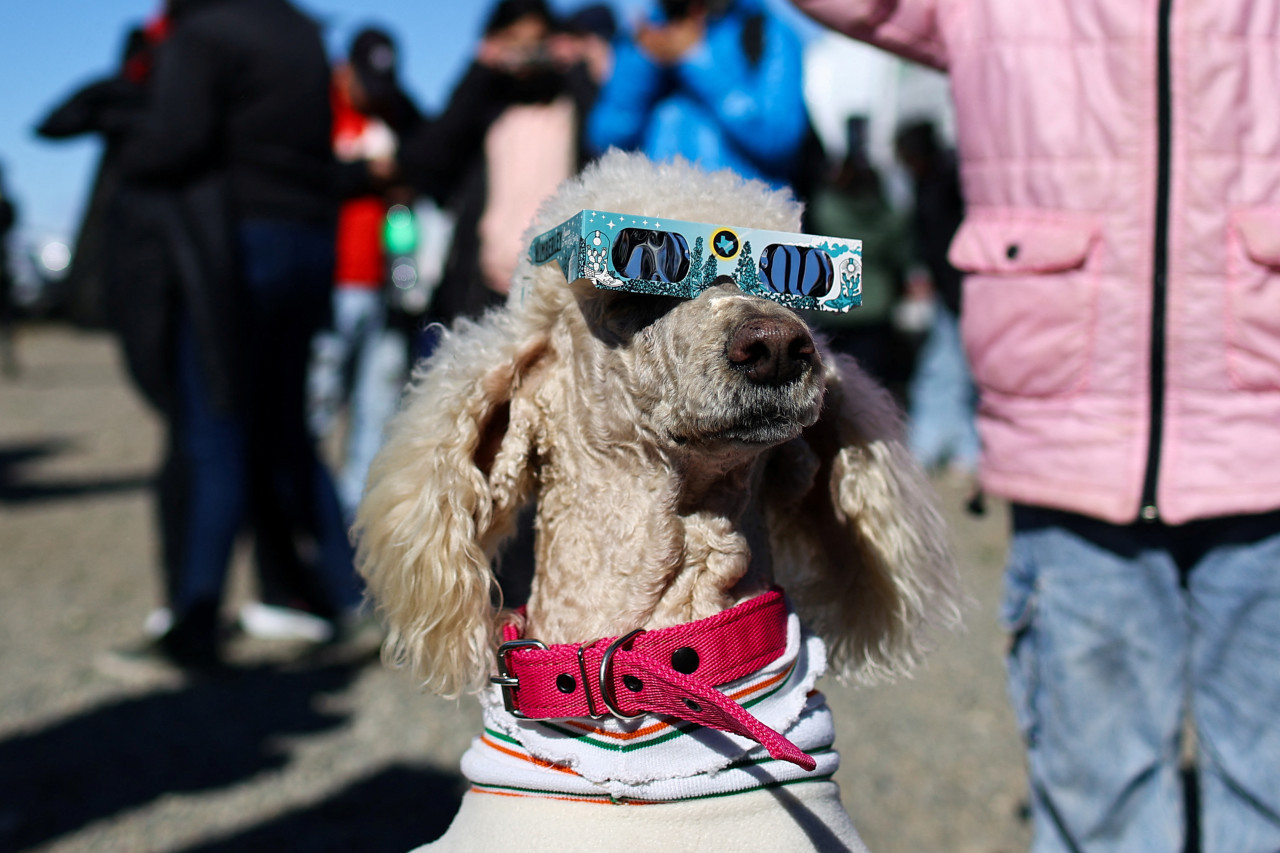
622,419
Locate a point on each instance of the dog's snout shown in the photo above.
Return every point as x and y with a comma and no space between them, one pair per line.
772,350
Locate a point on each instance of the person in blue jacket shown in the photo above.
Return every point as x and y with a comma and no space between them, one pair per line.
715,81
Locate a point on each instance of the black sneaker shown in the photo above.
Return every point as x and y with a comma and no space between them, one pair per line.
194,641
190,646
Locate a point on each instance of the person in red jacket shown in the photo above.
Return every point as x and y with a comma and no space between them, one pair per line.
362,359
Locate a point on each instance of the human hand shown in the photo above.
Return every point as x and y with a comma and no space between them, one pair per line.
919,284
383,169
668,43
400,194
493,53
509,57
566,50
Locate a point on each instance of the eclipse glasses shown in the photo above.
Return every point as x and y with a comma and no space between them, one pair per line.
669,257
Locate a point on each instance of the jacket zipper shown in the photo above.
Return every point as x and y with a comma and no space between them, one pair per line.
1159,293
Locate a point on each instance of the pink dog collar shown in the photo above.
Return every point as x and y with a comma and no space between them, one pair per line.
670,671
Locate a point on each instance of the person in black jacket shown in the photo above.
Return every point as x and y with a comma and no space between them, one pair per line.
127,273
237,128
511,131
524,66
8,218
117,273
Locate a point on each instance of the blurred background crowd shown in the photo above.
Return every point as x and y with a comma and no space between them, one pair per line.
277,227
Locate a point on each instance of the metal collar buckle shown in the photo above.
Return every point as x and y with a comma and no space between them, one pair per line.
509,682
607,692
505,679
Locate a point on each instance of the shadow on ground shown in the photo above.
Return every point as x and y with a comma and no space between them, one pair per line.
208,735
14,489
397,809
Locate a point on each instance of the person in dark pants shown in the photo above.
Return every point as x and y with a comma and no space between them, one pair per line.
129,274
238,126
941,395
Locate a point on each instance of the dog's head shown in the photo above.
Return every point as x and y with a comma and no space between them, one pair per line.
728,391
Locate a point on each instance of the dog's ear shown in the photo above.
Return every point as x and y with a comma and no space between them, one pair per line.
857,539
443,493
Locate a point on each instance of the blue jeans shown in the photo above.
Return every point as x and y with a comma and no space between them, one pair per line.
941,399
259,463
363,362
1119,633
207,486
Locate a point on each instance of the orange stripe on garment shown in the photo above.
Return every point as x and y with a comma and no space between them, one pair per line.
762,685
566,797
603,800
657,727
541,762
640,732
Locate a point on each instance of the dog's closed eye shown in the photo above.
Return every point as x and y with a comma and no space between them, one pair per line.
615,318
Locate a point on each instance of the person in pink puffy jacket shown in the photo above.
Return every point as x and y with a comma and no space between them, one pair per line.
1121,312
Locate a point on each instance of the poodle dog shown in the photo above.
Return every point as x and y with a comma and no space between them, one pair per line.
707,480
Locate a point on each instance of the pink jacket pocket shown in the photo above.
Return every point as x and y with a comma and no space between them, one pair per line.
1029,305
1008,243
1259,230
1253,299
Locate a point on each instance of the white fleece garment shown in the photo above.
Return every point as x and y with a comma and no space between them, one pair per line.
659,784
658,758
797,819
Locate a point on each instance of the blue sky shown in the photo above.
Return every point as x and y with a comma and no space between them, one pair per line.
50,47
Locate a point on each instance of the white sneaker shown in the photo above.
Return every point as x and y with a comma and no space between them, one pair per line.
158,621
268,622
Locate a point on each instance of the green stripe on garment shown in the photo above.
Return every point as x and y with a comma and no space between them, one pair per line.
760,762
742,762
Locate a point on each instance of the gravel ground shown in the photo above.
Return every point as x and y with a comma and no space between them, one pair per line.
296,752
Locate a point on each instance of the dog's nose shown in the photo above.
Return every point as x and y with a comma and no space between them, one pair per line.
772,350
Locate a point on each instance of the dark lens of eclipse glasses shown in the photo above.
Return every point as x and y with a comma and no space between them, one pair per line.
797,270
651,255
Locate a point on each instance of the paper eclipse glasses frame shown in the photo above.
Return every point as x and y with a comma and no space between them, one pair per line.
671,257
